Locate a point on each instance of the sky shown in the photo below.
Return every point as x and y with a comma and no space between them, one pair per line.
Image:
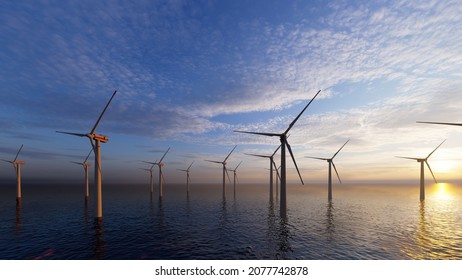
189,73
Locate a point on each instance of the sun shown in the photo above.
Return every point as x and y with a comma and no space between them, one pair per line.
442,166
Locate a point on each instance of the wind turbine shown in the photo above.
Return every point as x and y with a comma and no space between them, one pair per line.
97,138
187,177
150,173
235,177
85,165
331,163
160,164
272,163
17,168
224,170
284,144
422,176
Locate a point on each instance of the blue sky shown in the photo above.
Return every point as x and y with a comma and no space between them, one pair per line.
188,73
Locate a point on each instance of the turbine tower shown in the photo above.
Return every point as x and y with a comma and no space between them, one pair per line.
160,164
331,163
85,165
97,139
284,144
225,171
271,163
422,176
187,177
235,177
17,169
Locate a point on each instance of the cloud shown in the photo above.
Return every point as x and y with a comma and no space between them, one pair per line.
177,66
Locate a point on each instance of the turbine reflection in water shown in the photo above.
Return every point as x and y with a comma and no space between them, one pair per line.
362,222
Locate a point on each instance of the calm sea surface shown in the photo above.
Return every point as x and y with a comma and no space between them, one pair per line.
362,222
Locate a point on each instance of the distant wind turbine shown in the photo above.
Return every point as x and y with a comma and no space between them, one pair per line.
225,171
17,169
422,176
330,161
235,177
284,144
151,184
85,165
271,163
187,177
97,138
160,164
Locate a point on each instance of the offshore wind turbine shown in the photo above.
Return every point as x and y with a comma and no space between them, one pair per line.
271,163
225,171
331,163
187,177
85,165
151,184
284,144
160,164
95,141
235,177
17,169
422,176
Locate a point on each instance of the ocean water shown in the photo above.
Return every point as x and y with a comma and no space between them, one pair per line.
361,222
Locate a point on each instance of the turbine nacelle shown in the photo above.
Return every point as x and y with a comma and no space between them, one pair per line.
101,138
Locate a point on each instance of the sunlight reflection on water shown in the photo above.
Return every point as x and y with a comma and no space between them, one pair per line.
361,222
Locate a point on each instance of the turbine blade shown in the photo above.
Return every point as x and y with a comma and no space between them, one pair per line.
88,156
17,154
146,169
230,153
317,158
9,161
295,163
72,133
92,146
296,119
237,178
276,150
275,168
190,165
336,172
79,163
435,149
96,162
444,123
409,158
214,161
183,170
164,155
431,171
227,174
150,162
255,155
258,133
237,165
15,169
340,148
102,113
